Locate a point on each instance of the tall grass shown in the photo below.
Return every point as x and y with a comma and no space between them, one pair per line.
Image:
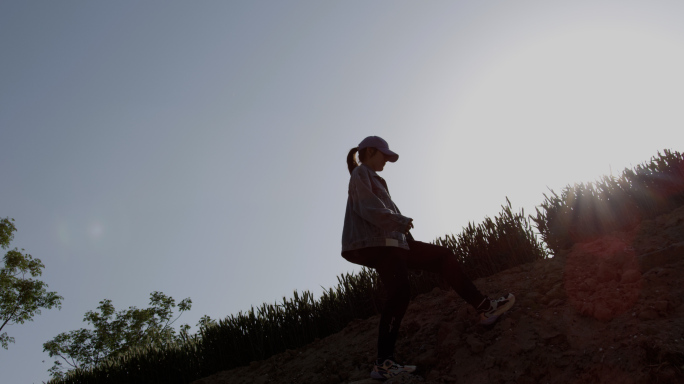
270,329
496,244
583,212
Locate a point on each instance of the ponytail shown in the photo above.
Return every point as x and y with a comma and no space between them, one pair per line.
363,154
351,159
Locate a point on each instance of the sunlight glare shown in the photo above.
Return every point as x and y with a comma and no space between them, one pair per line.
581,98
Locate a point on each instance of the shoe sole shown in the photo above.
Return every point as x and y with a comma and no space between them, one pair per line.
377,376
499,311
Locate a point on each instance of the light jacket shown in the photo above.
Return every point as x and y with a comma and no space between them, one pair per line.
372,219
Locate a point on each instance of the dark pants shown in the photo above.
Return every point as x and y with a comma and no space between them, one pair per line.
392,265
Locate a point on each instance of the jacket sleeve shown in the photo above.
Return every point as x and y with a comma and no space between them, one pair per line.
371,208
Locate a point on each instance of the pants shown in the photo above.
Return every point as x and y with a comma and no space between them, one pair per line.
392,265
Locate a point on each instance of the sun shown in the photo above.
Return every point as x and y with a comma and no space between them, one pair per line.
581,99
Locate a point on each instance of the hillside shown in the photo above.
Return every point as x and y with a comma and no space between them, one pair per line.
606,311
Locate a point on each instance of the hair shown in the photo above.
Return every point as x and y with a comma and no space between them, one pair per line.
363,154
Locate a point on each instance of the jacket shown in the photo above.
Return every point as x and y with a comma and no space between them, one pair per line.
371,219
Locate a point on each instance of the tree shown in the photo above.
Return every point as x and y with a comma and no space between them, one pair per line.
21,295
115,333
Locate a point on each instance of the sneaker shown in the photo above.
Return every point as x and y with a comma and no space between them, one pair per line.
496,308
390,369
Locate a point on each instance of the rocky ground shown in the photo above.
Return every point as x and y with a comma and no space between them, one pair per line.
608,311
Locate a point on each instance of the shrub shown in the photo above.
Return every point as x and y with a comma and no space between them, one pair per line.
583,212
270,329
496,245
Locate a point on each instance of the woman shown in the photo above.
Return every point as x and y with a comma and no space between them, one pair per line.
376,235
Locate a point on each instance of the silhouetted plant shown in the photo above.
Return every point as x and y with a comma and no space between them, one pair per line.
583,212
496,245
270,329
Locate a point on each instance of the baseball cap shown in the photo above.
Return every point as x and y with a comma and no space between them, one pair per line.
381,145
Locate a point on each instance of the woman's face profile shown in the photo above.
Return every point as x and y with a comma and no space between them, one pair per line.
376,161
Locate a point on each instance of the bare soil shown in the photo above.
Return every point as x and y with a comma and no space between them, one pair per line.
607,311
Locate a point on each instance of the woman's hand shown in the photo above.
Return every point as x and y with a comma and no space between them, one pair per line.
409,226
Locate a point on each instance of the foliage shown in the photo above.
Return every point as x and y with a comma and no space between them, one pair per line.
239,339
496,245
115,333
270,329
21,295
584,211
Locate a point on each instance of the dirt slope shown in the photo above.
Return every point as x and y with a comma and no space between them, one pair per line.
609,311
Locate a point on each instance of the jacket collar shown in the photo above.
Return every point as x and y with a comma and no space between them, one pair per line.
371,171
375,174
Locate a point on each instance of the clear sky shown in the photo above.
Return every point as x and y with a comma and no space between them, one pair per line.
198,148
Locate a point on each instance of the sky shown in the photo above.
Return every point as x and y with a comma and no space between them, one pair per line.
198,148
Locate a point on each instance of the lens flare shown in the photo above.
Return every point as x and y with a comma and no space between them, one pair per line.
603,278
96,230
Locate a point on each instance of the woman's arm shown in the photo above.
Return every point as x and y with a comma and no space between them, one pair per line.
370,207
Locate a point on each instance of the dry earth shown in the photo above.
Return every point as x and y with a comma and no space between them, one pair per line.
608,311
